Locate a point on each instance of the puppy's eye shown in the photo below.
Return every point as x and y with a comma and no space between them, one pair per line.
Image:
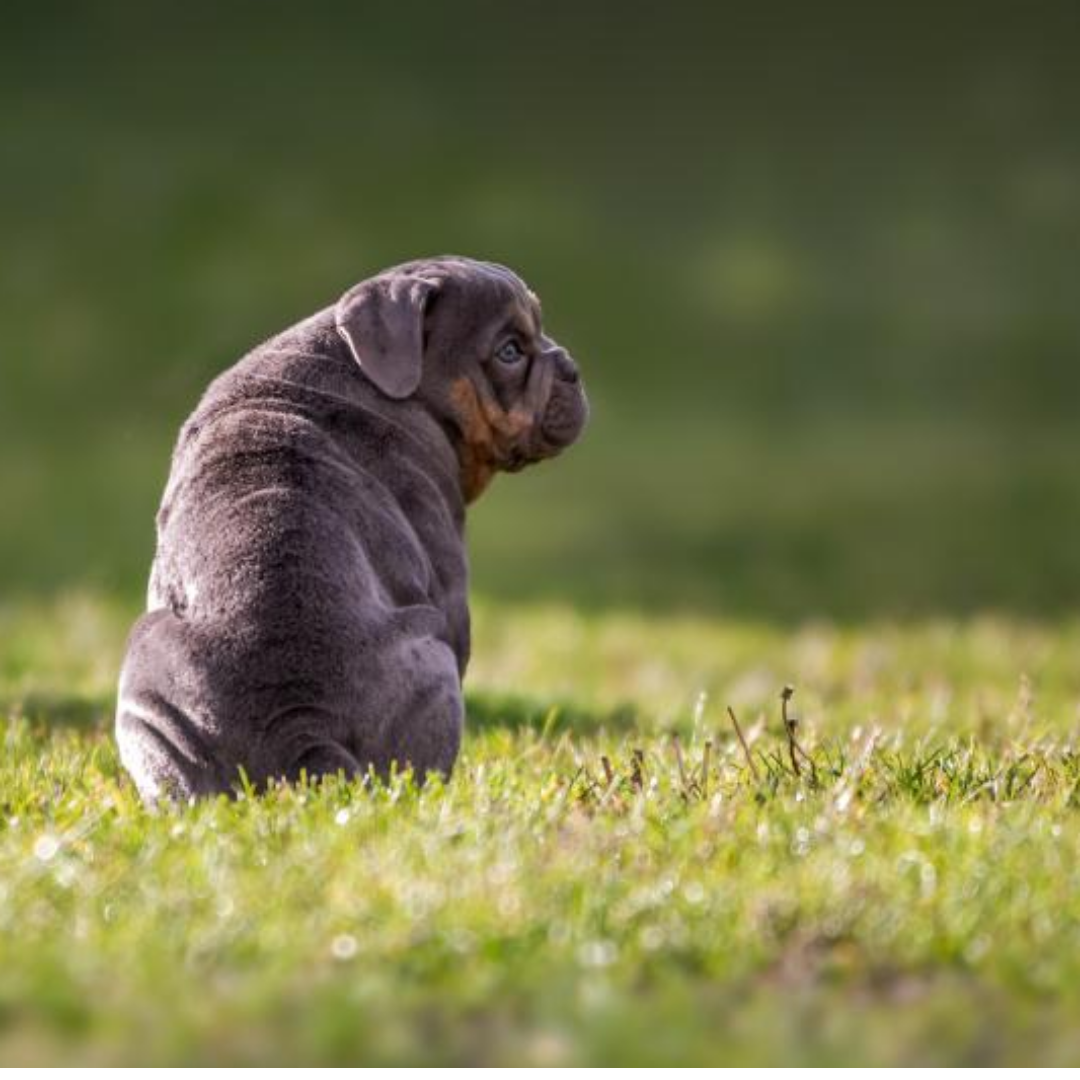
510,353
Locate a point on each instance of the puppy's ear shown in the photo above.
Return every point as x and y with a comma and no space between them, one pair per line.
382,320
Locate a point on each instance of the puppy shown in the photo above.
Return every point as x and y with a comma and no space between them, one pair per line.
307,608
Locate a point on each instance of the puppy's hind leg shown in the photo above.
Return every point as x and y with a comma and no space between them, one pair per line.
428,713
161,745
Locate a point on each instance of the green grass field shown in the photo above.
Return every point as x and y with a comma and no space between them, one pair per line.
605,879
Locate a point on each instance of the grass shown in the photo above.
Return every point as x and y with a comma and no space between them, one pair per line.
593,885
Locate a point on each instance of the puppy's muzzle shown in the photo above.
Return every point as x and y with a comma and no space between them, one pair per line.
567,409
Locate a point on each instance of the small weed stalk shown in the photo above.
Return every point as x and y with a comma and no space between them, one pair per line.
742,743
795,751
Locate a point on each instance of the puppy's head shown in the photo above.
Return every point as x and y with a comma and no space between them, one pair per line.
464,338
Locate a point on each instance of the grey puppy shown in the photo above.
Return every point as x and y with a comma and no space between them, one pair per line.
307,606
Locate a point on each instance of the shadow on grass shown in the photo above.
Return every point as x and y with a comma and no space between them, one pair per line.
484,712
517,712
82,711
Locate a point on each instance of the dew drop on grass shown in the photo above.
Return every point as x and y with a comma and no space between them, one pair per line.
45,847
652,938
65,874
597,954
694,892
343,947
927,879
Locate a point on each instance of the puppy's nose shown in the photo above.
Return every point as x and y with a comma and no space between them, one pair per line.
565,368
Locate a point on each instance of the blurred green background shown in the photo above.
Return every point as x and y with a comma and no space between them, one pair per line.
819,265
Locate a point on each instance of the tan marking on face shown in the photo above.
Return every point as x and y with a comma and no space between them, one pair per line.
488,434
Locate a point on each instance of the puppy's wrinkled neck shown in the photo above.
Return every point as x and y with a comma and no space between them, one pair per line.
488,435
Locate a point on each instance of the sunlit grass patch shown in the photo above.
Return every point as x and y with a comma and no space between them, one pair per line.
610,875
